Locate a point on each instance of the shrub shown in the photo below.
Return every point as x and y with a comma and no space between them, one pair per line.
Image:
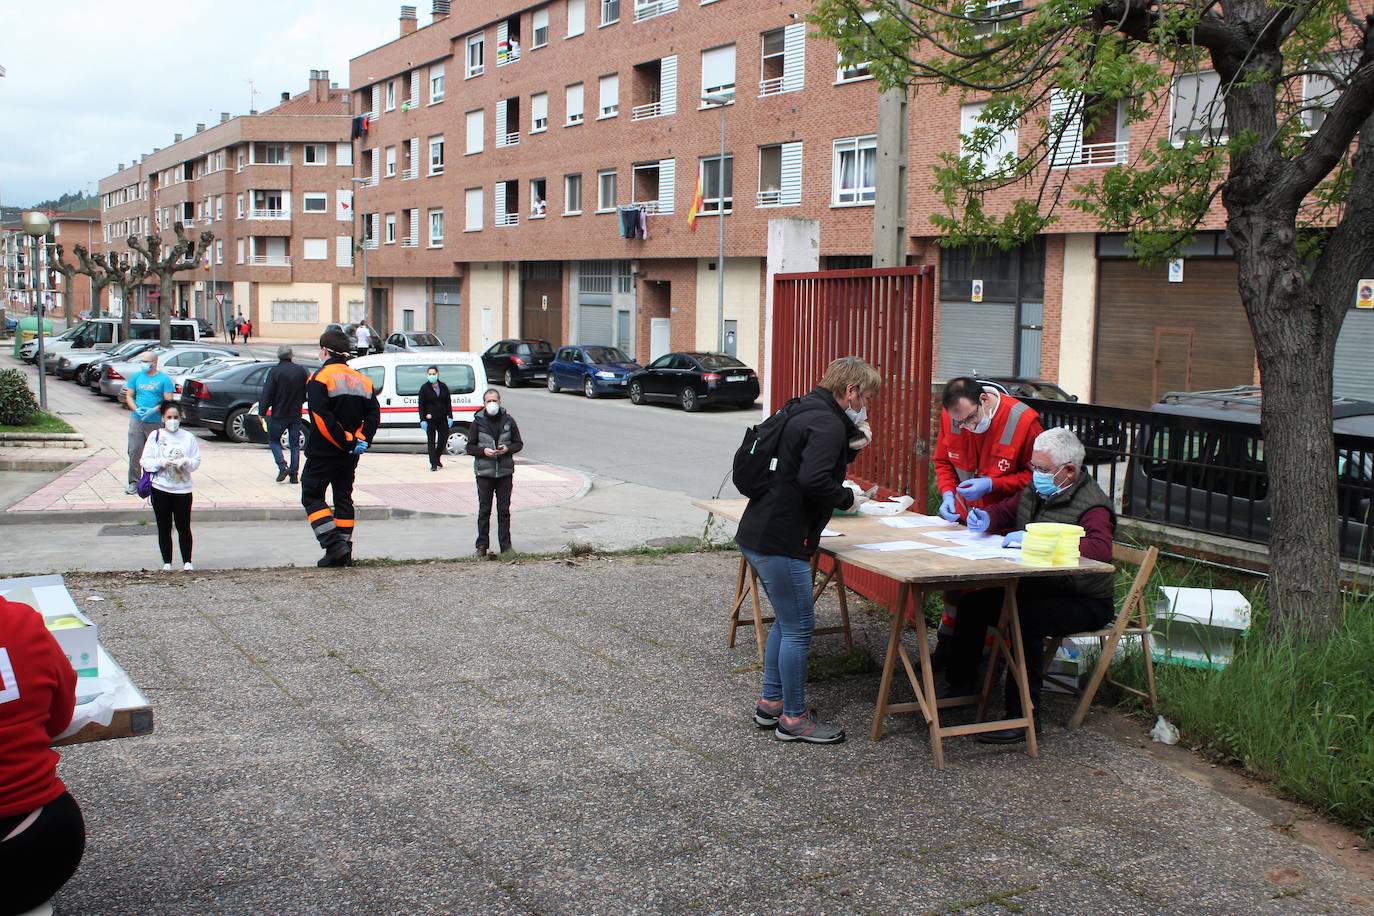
17,403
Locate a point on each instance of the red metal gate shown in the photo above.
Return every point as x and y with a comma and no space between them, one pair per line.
886,315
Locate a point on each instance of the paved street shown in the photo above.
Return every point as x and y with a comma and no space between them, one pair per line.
573,736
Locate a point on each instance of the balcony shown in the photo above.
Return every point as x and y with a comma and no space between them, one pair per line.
510,139
644,112
408,174
651,206
1097,154
508,219
256,213
269,260
653,8
412,241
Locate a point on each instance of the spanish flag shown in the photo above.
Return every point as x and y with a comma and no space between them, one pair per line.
697,201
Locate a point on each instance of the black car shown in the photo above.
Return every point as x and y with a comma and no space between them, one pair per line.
694,379
220,401
1029,388
515,362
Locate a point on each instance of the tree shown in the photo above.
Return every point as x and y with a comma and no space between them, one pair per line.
1296,186
128,274
178,257
88,265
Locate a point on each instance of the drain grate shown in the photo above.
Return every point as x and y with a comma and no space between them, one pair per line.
125,531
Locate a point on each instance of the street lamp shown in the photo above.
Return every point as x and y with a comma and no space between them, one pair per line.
362,215
720,100
36,227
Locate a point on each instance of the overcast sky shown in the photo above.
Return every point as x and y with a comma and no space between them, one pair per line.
89,85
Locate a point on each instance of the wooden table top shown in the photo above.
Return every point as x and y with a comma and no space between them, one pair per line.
916,567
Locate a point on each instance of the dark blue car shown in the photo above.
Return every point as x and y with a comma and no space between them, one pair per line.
596,370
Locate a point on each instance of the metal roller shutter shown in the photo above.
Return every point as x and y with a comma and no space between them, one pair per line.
977,338
1354,364
448,312
594,324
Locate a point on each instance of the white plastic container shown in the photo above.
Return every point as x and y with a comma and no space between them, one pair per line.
1197,627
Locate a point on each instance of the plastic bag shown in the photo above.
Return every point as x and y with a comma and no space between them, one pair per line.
895,505
95,702
1165,732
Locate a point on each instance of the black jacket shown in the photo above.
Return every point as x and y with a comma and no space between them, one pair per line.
283,394
433,406
812,457
343,409
489,432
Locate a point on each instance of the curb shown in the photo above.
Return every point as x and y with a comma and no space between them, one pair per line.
42,440
35,465
274,514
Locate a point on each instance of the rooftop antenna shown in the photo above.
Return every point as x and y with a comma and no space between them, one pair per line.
252,96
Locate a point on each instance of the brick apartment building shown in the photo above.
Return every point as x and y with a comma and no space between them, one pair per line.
504,138
276,190
69,228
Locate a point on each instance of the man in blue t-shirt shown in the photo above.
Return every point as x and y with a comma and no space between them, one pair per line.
143,393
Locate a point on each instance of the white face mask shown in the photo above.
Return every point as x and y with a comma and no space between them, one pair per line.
492,408
172,425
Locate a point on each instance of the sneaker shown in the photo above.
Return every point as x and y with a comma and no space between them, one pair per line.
166,567
186,567
131,489
763,718
294,479
809,731
281,475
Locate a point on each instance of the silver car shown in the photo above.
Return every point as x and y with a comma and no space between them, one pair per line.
175,361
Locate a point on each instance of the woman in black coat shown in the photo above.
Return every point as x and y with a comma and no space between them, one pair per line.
436,415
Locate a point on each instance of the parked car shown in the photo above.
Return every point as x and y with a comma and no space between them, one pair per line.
175,361
397,377
75,363
1029,388
694,379
206,326
107,333
411,341
219,401
28,351
515,362
1104,439
592,370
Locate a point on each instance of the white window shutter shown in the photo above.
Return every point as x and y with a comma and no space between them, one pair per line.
794,57
667,85
343,206
791,174
414,87
501,123
376,233
1066,108
501,33
415,156
667,180
343,251
500,203
376,100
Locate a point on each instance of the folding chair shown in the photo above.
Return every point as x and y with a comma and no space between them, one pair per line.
1130,621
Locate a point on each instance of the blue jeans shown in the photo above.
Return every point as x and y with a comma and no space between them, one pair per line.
274,430
787,582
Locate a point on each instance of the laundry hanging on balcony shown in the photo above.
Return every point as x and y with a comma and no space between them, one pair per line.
361,125
634,222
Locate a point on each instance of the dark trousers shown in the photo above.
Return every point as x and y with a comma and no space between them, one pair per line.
1044,610
293,430
170,509
501,488
35,864
333,527
436,437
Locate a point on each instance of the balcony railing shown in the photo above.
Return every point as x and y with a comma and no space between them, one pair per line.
778,198
644,112
372,180
510,139
269,260
508,219
653,8
412,241
408,174
257,213
189,223
1090,154
653,206
371,244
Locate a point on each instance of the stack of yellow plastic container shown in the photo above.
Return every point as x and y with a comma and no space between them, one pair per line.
1051,544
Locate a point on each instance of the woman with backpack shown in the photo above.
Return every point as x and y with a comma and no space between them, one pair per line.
169,458
781,531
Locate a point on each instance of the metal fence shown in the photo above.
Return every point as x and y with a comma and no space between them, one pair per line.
1204,474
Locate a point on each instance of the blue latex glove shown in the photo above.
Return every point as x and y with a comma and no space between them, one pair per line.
1013,539
360,447
947,510
424,427
975,488
978,520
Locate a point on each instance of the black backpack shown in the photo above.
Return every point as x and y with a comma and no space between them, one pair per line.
757,456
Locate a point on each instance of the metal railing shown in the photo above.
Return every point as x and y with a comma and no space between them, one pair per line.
652,207
410,241
1090,154
508,219
778,198
408,174
511,138
1205,474
372,244
646,111
269,260
652,8
257,213
775,86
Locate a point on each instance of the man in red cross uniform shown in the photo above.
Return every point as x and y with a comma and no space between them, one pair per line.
982,456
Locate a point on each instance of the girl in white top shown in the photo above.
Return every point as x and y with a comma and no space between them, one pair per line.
170,455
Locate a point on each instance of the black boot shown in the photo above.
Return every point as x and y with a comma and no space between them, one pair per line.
337,555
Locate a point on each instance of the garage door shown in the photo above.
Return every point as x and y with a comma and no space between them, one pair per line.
594,324
1154,336
448,312
977,338
1354,365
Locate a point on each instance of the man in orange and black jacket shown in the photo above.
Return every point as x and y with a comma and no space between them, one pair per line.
343,419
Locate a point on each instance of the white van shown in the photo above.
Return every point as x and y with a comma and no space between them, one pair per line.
397,377
106,333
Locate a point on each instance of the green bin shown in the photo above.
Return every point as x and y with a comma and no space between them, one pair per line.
28,330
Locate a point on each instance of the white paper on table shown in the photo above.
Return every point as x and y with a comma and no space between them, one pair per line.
965,537
971,552
897,545
827,533
915,521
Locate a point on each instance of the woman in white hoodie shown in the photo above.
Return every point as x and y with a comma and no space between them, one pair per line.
170,455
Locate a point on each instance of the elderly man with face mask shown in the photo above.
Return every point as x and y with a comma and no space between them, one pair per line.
1059,491
493,440
144,394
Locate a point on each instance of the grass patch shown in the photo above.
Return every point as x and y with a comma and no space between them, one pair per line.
39,422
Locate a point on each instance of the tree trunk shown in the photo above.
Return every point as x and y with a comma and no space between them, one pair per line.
164,309
130,294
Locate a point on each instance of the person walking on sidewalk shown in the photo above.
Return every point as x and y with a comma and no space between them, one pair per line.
171,455
780,532
246,329
283,395
343,419
436,415
143,394
493,440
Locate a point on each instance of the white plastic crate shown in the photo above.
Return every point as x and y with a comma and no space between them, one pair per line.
1197,627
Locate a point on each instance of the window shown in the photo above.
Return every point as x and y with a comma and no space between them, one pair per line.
855,171
1198,110
436,228
572,194
782,67
1320,89
219,207
648,9
219,251
857,70
343,154
316,249
391,162
436,83
574,104
391,228
315,154
539,112
608,98
610,11
717,193
540,23
605,191
239,201
273,154
993,16
459,378
718,70
577,18
475,55
390,95
436,155
293,311
780,175
1000,154
476,128
314,202
538,198
473,201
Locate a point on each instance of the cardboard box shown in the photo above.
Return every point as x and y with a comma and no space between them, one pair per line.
76,634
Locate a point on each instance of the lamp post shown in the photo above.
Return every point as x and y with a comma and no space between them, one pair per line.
36,227
720,100
362,215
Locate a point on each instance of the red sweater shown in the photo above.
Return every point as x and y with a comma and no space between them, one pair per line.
37,696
